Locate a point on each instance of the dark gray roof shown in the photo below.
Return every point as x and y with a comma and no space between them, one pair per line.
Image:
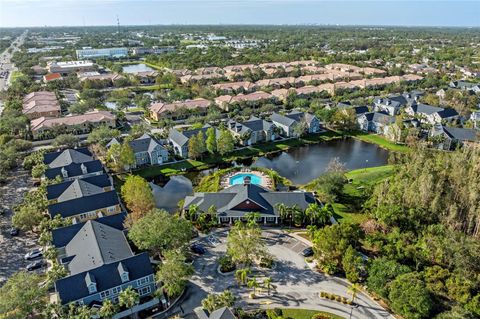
360,109
182,137
67,157
144,143
448,112
426,109
461,134
107,276
222,313
84,204
94,245
238,200
55,190
282,119
379,117
253,124
74,169
63,235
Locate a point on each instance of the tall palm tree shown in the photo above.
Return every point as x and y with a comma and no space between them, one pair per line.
311,229
192,212
283,211
324,214
353,290
312,212
252,218
128,298
241,276
252,283
296,214
108,309
267,284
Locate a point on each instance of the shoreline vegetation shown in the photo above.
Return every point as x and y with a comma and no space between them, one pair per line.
264,149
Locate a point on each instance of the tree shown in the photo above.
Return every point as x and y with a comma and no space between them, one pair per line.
102,134
354,289
138,197
252,283
382,272
344,120
331,242
56,272
108,309
127,156
194,147
128,298
65,140
245,244
267,284
22,296
27,217
241,276
410,297
353,265
217,301
174,273
225,143
38,170
158,231
211,140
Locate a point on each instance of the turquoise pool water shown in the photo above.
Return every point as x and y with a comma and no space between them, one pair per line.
238,179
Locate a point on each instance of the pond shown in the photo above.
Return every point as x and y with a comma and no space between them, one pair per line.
135,68
303,164
168,196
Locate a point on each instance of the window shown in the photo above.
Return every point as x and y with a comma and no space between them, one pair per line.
144,290
116,290
105,294
142,281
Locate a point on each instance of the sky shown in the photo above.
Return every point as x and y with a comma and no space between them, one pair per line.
324,12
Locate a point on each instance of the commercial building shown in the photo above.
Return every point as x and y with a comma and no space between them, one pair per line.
68,67
89,53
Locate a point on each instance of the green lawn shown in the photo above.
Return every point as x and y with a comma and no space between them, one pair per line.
305,314
380,141
348,206
171,169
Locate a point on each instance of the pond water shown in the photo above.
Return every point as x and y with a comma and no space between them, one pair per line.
168,196
303,164
300,165
134,68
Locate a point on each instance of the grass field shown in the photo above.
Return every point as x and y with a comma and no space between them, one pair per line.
348,206
380,141
305,314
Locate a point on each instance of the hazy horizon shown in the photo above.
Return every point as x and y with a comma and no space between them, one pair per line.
401,13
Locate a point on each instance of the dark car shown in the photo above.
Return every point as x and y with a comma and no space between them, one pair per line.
14,231
35,265
198,249
307,252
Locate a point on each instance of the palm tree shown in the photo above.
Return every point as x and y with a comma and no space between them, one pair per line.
252,218
108,309
311,229
283,211
297,214
210,303
267,284
312,212
241,276
192,212
325,213
353,290
128,298
252,283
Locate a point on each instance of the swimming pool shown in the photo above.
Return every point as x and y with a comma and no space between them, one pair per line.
238,179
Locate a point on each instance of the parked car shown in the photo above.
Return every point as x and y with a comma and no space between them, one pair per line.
198,249
35,265
14,231
307,252
35,253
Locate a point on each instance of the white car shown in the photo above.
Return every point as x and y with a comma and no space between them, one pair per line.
36,253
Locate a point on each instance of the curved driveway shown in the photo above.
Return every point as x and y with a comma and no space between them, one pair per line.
296,285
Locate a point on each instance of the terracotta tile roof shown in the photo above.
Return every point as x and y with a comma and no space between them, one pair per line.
246,85
52,76
70,120
171,107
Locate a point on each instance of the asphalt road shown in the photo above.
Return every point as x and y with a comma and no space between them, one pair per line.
296,285
5,60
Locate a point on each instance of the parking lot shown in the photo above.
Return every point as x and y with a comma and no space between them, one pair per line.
13,249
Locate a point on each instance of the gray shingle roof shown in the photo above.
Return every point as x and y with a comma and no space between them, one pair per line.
74,169
222,313
240,199
461,134
94,245
282,119
84,204
144,143
181,138
79,189
426,109
55,190
67,157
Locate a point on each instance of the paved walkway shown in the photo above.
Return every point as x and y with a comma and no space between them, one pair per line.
296,285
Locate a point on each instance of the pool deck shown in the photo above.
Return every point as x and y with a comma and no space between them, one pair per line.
265,180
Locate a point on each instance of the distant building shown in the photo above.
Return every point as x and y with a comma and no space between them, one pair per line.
431,114
286,123
253,131
145,51
148,151
41,104
65,68
451,137
52,77
178,110
102,53
43,127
